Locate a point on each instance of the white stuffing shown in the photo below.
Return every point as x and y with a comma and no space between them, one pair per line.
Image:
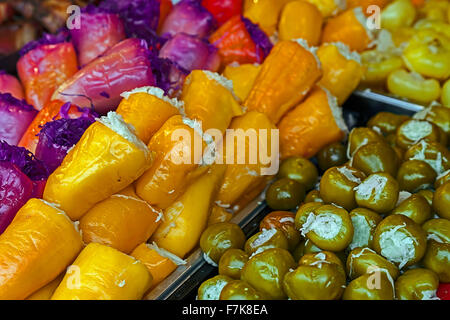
429,295
372,186
362,232
345,51
348,174
213,292
164,253
157,92
397,246
402,196
325,225
209,260
415,130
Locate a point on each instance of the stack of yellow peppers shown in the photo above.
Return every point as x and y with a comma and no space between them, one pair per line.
119,214
411,58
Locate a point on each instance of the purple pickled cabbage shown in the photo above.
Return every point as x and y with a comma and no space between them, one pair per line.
169,76
57,137
15,190
62,36
10,84
15,117
189,16
66,112
124,67
25,160
259,37
190,52
140,18
99,30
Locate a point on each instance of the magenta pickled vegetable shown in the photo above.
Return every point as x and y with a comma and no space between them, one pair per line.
57,137
15,190
99,30
98,85
15,117
189,16
190,53
10,84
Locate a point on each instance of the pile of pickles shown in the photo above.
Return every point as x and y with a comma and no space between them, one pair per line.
374,226
411,56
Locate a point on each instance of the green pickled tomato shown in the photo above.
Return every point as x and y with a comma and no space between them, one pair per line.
364,223
266,239
232,262
370,286
299,169
378,192
441,201
376,157
416,208
285,194
240,290
415,175
220,237
332,155
211,288
265,272
417,284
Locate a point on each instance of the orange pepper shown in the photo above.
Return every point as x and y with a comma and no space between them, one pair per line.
313,124
209,98
241,178
186,218
265,13
300,19
108,158
43,69
342,70
46,292
104,273
219,214
364,4
121,222
147,109
288,73
243,77
172,169
161,263
36,247
350,28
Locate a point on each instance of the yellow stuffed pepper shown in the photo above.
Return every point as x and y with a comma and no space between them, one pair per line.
366,5
147,109
103,273
300,19
107,158
185,219
313,124
178,148
349,27
247,170
243,77
288,73
398,14
36,247
161,263
209,98
46,292
121,222
342,70
265,13
329,8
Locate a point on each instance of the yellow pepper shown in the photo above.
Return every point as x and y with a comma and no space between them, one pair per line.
147,109
350,28
245,177
438,26
311,125
46,292
445,97
219,214
413,86
401,36
397,14
175,162
208,97
121,222
243,77
286,76
107,158
36,247
300,19
265,13
161,263
436,10
438,115
185,219
378,65
428,53
103,273
342,70
329,8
